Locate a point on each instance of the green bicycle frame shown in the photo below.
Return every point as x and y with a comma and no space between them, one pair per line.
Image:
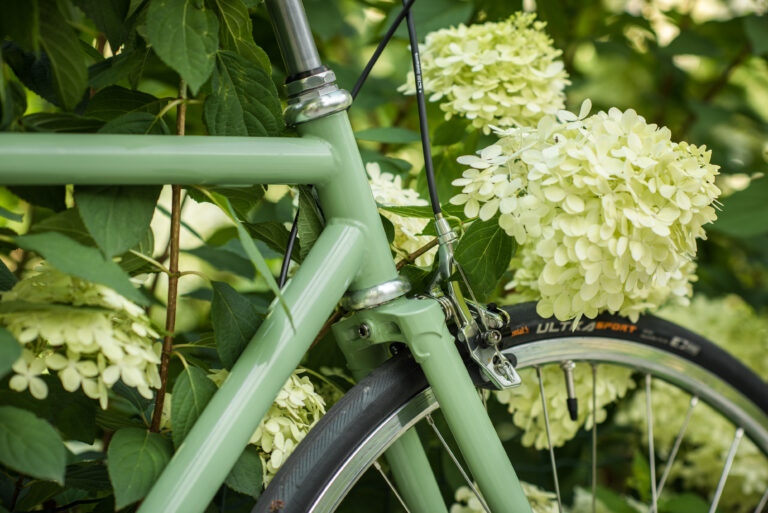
352,253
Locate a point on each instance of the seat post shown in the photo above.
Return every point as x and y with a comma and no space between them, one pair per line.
294,38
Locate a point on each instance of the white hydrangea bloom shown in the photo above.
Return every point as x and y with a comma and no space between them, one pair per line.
733,325
524,402
607,207
388,191
85,332
541,501
496,73
295,410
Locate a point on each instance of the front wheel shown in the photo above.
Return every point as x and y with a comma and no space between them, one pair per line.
636,378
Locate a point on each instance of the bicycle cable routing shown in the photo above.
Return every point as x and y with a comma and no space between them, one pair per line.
355,91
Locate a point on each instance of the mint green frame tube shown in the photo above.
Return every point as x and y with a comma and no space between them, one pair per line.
30,159
219,436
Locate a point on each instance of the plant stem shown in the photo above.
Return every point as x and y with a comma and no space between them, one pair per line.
173,277
416,254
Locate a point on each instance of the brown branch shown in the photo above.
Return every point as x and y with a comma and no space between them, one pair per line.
327,326
416,254
173,278
716,87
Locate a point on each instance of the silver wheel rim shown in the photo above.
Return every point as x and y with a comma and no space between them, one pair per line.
663,365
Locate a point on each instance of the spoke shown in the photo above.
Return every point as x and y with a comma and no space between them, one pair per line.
391,486
431,422
549,441
726,469
651,450
762,503
676,446
594,437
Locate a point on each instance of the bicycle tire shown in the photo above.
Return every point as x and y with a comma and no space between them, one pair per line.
373,413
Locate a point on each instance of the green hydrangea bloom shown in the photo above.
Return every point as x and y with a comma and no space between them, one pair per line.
732,324
524,402
606,207
295,410
85,332
503,73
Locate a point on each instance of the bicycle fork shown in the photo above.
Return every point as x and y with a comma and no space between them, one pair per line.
420,324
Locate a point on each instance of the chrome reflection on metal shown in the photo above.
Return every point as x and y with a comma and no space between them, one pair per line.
294,36
372,448
683,373
375,296
692,378
297,87
316,107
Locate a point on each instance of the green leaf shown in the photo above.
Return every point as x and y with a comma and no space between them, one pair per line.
11,216
244,100
48,196
310,224
247,476
434,15
243,199
391,134
744,212
90,476
274,235
135,459
191,393
20,21
115,101
30,445
87,263
13,102
450,132
109,17
133,264
389,228
7,278
224,260
117,217
60,122
235,32
234,321
36,493
61,44
418,276
117,68
425,212
756,28
185,35
258,261
613,502
484,253
67,222
135,123
10,350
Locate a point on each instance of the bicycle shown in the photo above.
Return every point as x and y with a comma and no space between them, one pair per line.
351,260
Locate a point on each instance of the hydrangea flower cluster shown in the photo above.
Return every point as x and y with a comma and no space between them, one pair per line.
541,501
85,332
607,208
388,191
295,410
733,325
496,73
524,402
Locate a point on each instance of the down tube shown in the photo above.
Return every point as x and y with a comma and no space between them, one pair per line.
217,439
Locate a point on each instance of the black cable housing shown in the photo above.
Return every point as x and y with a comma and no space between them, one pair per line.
355,90
423,124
